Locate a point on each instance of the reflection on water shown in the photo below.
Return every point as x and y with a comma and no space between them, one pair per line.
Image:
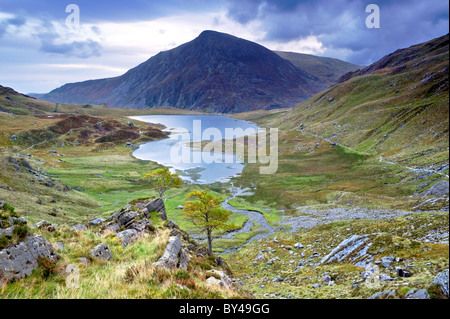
168,152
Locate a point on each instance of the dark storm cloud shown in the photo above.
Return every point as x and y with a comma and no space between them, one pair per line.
340,24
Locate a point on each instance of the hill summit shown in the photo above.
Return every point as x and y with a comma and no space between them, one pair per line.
216,72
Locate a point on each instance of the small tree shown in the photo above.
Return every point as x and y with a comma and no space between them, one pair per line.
206,214
162,180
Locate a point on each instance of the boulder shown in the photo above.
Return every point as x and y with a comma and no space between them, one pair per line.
19,261
170,256
441,281
417,294
101,251
157,205
128,237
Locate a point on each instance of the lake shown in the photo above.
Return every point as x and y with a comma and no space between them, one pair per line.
192,164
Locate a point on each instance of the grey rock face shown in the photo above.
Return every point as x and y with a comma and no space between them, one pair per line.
417,294
101,251
158,206
184,259
8,232
142,225
441,280
354,249
439,189
112,227
19,261
127,219
170,256
128,236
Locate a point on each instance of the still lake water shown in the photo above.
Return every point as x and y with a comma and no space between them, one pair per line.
182,130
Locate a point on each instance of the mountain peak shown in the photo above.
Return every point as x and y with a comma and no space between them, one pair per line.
216,72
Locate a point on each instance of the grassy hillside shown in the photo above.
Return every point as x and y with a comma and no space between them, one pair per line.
327,70
373,140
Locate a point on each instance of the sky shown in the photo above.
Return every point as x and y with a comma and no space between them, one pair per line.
41,49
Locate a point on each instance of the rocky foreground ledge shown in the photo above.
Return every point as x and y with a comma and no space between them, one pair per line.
139,221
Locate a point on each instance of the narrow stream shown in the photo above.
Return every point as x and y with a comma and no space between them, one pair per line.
253,217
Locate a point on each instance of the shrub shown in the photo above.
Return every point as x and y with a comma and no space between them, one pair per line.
3,242
21,231
48,267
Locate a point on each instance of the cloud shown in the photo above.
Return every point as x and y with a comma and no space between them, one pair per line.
340,24
84,49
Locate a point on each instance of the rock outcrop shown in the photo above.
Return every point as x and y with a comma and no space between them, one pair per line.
18,262
170,257
157,206
353,249
441,281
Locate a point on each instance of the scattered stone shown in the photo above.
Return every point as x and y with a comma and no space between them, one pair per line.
101,251
298,246
315,286
277,279
326,278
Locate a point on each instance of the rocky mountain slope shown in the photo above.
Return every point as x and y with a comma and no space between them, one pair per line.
216,72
